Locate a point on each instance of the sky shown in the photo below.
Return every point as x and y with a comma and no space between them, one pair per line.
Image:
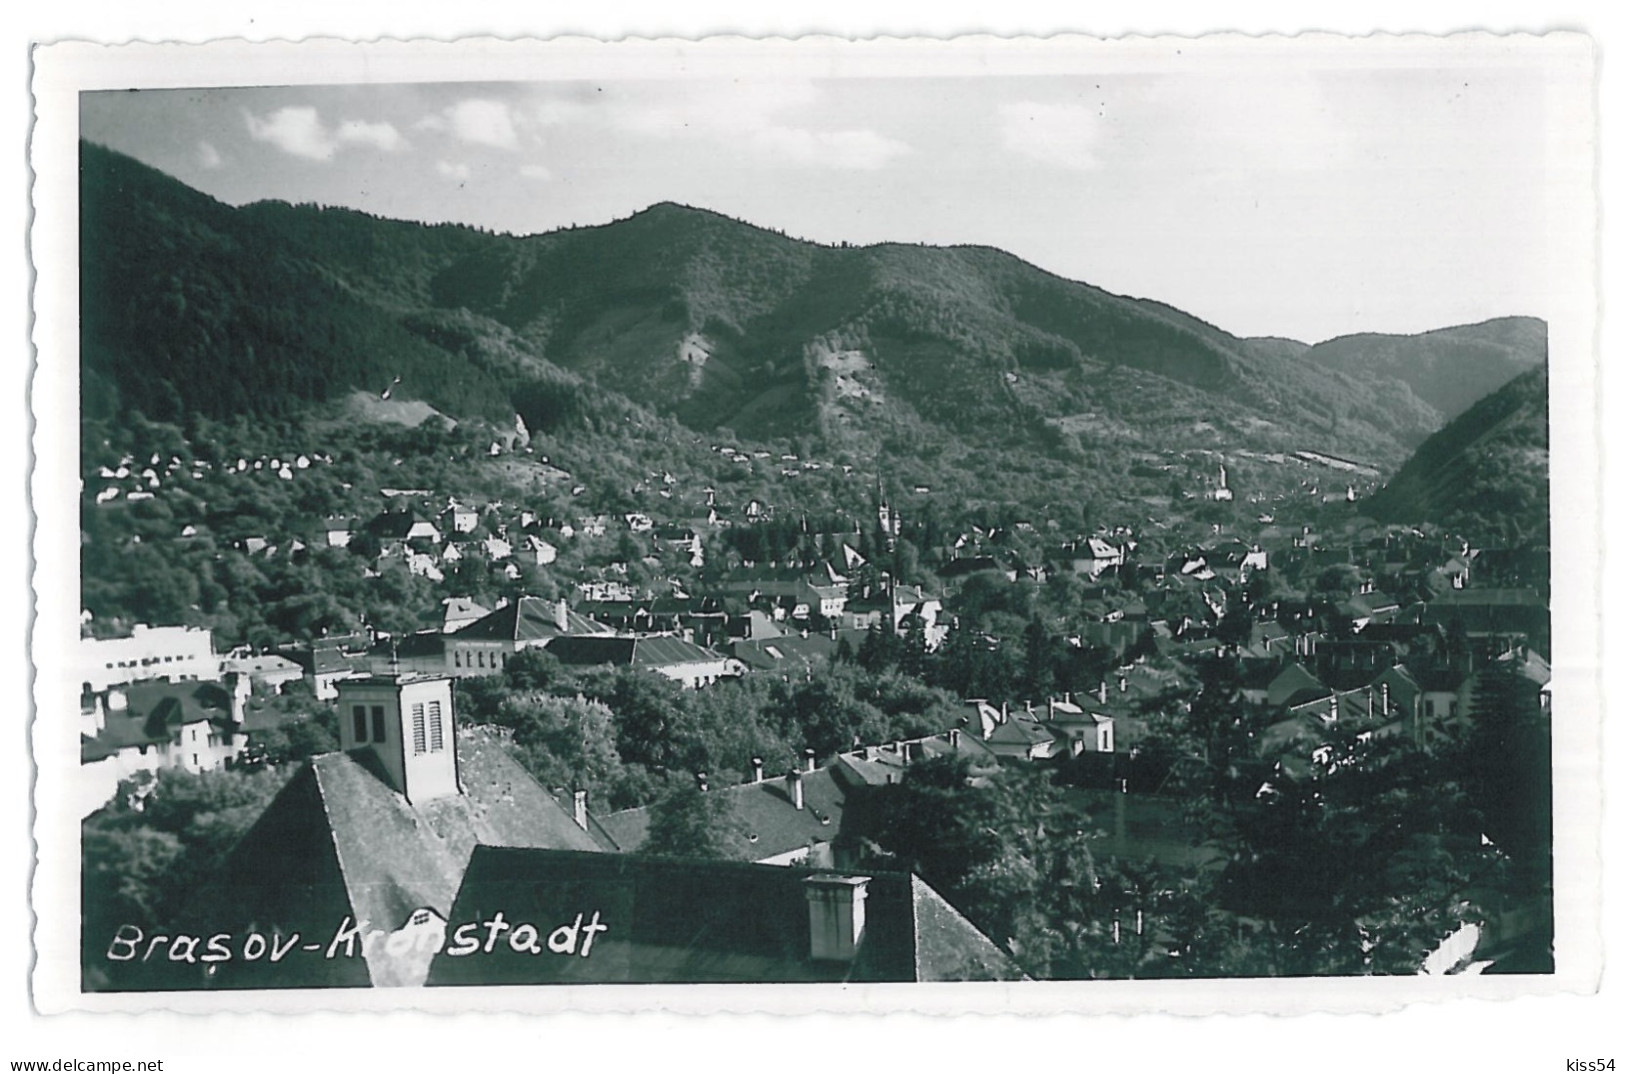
1269,197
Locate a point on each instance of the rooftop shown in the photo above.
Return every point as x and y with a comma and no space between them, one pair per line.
670,920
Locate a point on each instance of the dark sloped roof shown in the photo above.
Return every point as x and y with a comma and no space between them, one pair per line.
685,921
878,766
530,619
765,812
153,712
1020,730
338,842
793,653
650,652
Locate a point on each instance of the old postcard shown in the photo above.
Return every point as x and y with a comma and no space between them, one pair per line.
985,524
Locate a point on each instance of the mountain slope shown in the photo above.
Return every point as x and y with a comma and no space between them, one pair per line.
1485,473
890,351
1450,368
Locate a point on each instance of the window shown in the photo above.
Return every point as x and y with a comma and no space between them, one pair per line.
437,731
457,657
359,712
419,744
379,734
482,659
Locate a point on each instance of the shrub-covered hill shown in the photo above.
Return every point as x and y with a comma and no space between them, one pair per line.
1449,368
890,352
1485,474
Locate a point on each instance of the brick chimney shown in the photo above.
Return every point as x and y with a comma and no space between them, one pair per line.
580,809
835,915
808,760
756,770
953,737
792,784
561,616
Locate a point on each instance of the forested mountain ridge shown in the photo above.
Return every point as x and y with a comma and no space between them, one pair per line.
1485,473
190,305
1449,368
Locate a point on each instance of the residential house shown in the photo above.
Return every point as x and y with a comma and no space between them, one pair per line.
395,528
170,653
327,661
1019,735
459,612
682,661
267,671
531,623
786,657
1092,556
153,725
458,518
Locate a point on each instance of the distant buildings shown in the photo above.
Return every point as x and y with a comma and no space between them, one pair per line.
170,653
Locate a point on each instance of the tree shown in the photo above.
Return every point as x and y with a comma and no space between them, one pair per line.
1359,864
692,823
564,741
1506,760
1042,652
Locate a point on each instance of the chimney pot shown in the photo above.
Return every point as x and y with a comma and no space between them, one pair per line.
756,770
835,915
808,760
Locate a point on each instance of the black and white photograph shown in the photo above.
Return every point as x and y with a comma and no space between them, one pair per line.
1074,521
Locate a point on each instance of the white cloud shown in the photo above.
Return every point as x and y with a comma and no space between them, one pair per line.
382,136
854,149
535,171
1067,135
208,156
478,121
457,172
293,130
742,115
301,132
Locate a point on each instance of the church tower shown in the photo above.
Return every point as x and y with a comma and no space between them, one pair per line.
406,722
891,522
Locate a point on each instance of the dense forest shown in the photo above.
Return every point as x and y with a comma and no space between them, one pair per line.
1486,473
898,352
